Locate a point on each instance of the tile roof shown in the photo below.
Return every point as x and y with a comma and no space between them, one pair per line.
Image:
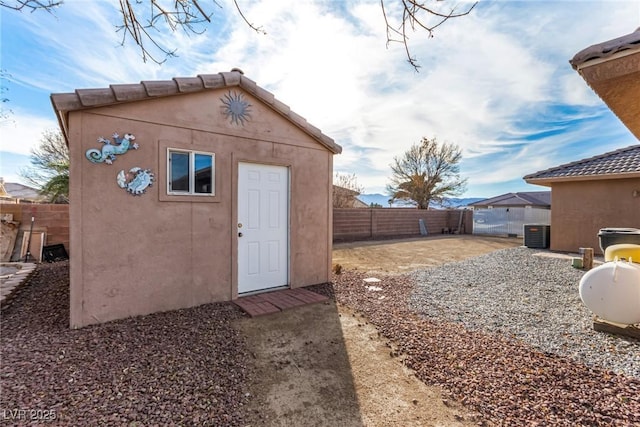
81,99
525,198
19,191
607,49
621,163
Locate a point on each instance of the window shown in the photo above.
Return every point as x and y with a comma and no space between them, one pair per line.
190,173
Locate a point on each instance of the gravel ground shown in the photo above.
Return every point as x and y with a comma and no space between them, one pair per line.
478,328
531,298
175,368
188,366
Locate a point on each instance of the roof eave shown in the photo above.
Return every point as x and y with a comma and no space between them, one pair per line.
84,99
610,69
547,182
579,66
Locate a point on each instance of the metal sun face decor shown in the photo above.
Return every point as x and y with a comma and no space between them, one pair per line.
236,108
107,154
136,181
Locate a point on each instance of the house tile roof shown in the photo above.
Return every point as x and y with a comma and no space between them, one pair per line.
606,49
621,163
14,191
527,198
81,99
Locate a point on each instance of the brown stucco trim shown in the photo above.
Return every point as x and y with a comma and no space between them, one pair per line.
76,220
329,184
81,99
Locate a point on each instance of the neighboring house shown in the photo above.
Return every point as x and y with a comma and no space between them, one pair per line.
601,191
590,194
357,203
508,213
531,199
346,198
228,193
13,192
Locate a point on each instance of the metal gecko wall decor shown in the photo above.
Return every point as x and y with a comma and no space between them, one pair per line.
236,108
107,154
136,181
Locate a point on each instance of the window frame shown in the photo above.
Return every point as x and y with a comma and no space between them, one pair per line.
191,172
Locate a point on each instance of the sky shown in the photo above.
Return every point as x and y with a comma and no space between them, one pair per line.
496,82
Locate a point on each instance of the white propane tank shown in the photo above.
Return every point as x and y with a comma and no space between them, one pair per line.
612,291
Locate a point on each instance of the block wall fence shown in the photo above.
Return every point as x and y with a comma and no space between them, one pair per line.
379,223
348,224
52,219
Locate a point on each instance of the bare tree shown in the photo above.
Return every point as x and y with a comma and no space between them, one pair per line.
428,171
345,190
142,18
49,170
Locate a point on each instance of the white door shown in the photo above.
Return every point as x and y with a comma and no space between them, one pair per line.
263,227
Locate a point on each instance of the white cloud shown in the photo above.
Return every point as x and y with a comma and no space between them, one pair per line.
23,131
488,81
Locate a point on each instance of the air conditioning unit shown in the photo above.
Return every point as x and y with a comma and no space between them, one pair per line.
536,236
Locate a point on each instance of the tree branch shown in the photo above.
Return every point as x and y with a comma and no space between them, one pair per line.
188,15
414,15
31,5
258,30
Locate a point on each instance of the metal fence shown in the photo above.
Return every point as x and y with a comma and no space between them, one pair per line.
508,221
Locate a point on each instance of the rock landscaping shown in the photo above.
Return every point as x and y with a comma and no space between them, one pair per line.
184,367
504,334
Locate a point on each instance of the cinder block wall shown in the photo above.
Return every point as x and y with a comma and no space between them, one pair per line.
378,223
348,224
52,219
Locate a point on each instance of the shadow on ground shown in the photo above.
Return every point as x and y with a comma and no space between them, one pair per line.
304,374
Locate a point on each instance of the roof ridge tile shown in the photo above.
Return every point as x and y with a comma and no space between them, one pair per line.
189,84
212,81
92,97
231,78
63,103
156,88
128,92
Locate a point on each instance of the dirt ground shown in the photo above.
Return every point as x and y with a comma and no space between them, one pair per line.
324,364
402,256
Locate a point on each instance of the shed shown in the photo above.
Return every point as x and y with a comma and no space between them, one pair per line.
604,190
189,191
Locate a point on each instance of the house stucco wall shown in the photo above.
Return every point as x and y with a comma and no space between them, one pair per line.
136,255
581,208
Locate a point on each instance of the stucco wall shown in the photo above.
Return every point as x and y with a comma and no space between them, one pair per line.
137,255
581,208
